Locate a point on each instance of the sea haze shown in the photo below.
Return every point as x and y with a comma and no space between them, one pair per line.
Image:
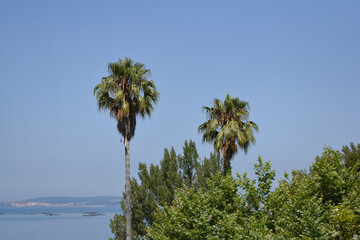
32,223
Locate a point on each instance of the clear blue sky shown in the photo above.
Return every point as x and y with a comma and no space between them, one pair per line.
296,62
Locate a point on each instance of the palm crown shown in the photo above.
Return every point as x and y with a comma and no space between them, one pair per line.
126,92
227,127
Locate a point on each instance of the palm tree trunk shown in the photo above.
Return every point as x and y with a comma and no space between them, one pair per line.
127,190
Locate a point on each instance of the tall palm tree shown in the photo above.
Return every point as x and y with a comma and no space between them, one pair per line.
227,127
127,93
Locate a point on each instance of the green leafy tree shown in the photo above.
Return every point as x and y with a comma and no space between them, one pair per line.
228,128
143,203
295,211
207,168
189,163
127,93
170,177
344,220
218,212
157,185
351,156
141,210
200,214
323,203
331,176
255,192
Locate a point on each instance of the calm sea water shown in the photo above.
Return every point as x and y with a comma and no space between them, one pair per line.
31,224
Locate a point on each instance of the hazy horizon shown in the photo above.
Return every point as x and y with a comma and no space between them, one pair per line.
56,197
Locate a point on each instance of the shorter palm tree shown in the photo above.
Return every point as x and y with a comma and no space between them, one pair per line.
228,128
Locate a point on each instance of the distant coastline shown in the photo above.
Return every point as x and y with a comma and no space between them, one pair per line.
99,201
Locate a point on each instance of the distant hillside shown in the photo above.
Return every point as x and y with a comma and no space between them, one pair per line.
65,201
100,200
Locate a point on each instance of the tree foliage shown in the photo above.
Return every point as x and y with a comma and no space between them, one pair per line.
210,214
351,156
323,203
158,183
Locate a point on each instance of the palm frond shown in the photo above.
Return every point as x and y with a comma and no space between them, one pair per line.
227,126
126,92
